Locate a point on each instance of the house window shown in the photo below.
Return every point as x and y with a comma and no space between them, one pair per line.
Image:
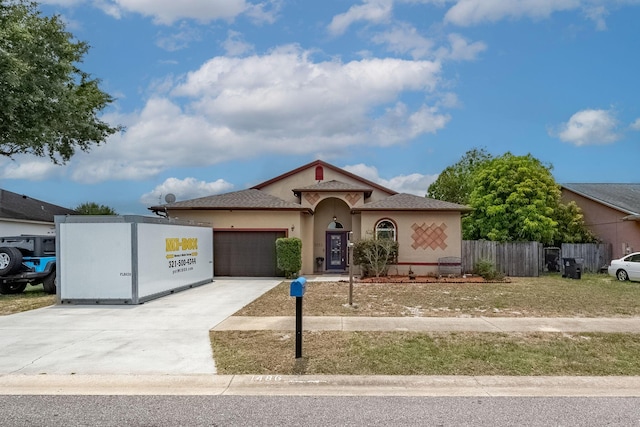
334,224
385,229
319,173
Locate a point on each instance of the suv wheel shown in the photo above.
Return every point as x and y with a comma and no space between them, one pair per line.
49,283
10,260
12,288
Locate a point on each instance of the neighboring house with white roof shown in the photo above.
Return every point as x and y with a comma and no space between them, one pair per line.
321,204
21,214
611,211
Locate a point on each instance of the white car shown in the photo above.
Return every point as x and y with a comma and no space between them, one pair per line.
626,268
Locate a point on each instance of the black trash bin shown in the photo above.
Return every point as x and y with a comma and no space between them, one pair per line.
572,268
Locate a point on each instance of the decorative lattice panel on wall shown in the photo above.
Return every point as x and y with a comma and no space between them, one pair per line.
432,236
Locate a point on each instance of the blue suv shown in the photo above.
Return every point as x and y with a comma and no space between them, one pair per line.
27,260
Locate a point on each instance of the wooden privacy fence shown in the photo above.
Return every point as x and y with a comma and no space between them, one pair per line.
594,256
526,259
515,259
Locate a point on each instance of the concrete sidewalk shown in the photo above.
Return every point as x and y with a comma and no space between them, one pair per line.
434,324
318,385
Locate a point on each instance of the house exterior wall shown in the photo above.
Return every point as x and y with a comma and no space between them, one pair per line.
607,224
10,227
295,223
422,237
244,219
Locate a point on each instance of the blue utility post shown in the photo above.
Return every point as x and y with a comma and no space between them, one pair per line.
297,290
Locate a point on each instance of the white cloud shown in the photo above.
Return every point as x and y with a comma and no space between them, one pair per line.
184,189
66,3
414,183
589,127
636,124
29,168
265,12
179,40
472,12
168,11
405,39
109,8
235,45
449,100
282,102
597,14
370,11
460,49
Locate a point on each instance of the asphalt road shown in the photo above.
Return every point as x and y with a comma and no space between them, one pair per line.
70,411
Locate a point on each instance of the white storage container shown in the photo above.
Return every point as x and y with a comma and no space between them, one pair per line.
129,259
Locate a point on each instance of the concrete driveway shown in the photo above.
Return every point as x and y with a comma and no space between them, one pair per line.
169,335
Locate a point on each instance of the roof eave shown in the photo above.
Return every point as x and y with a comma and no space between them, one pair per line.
355,210
225,208
595,199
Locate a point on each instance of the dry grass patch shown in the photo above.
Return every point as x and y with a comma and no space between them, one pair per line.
407,353
33,297
594,295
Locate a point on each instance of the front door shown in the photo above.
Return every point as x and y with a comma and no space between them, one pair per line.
336,250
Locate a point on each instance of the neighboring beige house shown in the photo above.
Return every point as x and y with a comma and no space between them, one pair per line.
321,204
611,212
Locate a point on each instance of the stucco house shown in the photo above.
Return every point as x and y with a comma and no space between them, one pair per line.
21,214
321,204
611,212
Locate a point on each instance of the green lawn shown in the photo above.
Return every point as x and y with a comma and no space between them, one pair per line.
33,297
595,295
405,353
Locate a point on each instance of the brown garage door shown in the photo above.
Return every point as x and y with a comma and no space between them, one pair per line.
245,253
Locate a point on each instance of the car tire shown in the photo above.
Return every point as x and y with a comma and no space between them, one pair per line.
12,288
49,283
10,260
622,275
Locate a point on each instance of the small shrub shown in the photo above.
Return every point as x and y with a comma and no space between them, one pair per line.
487,270
289,255
374,256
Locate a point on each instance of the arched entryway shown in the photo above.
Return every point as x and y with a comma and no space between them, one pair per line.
332,223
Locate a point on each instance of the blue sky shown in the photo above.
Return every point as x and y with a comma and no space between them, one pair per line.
220,95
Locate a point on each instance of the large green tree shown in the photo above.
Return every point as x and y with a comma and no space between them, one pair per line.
571,227
516,198
455,183
49,107
92,208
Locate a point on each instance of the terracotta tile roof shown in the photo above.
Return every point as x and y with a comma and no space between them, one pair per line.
20,207
623,197
410,202
241,200
334,185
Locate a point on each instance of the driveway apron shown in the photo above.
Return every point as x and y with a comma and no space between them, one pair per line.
169,335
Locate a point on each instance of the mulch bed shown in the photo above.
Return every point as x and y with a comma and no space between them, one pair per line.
423,279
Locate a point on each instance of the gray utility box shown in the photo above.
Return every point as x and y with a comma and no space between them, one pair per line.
129,259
